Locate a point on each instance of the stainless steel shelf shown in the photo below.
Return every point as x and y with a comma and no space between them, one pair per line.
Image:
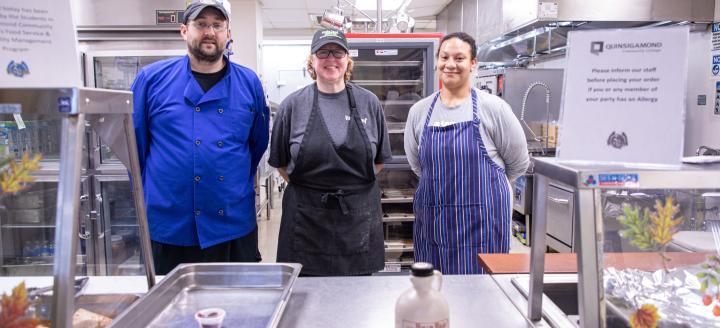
378,63
398,200
405,248
125,225
400,263
27,226
398,218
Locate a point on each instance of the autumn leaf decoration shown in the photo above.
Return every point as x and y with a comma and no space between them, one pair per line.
654,229
709,279
16,176
12,314
645,317
664,226
637,227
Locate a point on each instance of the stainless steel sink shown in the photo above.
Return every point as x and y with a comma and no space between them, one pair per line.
560,301
560,298
564,295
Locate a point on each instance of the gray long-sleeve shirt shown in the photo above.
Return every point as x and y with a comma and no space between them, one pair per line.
294,113
500,130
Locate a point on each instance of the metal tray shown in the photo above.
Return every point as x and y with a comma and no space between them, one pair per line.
252,294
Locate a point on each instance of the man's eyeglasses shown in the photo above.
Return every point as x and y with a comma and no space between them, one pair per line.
324,53
217,27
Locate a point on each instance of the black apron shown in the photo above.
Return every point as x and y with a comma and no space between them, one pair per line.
331,219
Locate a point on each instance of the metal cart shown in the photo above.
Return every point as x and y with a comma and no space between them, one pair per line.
603,197
70,111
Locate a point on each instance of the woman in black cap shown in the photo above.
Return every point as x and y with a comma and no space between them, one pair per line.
328,142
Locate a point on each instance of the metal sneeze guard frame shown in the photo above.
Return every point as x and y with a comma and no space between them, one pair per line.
74,106
588,230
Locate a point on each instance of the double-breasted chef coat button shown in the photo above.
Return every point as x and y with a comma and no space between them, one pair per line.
220,110
197,178
197,142
220,143
197,109
221,212
197,213
221,178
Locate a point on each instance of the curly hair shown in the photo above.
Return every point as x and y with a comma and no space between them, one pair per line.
462,36
313,75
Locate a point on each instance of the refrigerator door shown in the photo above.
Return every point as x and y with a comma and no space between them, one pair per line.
27,230
117,70
118,242
399,72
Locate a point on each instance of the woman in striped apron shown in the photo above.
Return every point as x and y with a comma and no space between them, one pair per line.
465,145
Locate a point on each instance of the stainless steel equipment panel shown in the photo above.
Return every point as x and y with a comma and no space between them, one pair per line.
121,13
560,214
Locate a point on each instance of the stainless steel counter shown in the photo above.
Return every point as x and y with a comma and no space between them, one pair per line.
370,302
357,301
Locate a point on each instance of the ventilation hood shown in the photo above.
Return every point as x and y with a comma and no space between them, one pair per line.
536,29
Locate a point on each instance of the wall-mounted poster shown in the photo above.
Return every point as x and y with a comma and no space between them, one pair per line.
38,46
624,96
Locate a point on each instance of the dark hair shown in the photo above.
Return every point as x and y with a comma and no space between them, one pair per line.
462,36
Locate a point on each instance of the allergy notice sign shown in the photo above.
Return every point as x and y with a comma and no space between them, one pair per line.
624,96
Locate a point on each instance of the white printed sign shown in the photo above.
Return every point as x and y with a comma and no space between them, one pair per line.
715,50
38,47
386,52
548,9
624,96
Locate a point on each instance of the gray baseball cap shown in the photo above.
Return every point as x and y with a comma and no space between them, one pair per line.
325,36
197,6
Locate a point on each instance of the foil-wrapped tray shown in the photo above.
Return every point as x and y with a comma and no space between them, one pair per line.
252,295
675,294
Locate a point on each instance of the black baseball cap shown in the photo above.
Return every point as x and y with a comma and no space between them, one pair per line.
196,7
325,36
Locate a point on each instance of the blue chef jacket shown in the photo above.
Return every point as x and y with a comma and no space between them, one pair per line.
199,151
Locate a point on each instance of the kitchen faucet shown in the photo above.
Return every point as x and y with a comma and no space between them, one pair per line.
547,113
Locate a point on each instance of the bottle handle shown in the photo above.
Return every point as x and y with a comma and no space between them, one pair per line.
437,276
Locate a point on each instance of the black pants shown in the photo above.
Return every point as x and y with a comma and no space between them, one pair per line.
244,249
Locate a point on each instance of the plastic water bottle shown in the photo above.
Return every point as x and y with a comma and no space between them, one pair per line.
422,306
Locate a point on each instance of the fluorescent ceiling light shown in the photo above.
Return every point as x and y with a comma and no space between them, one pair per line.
372,4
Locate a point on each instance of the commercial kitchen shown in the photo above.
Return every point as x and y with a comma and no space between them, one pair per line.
616,222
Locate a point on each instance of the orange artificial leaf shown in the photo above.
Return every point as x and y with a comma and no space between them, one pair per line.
664,226
645,317
13,310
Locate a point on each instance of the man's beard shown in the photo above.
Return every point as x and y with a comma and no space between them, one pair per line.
202,55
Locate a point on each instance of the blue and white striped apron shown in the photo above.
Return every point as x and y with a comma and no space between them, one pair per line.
462,203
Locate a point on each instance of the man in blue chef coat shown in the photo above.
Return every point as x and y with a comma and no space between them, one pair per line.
201,123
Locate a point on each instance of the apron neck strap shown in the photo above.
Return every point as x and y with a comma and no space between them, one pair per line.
430,110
